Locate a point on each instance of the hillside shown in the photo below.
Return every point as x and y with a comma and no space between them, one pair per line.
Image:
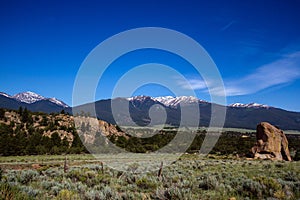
25,133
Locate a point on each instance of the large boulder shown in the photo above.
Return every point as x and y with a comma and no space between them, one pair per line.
271,143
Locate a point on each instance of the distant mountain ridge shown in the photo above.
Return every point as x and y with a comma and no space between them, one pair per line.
33,102
249,105
237,116
169,100
31,97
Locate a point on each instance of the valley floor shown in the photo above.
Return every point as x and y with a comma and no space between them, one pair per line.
189,177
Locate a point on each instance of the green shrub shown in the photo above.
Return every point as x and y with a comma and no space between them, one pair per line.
80,188
56,189
27,176
10,176
94,194
270,185
53,172
1,173
208,182
76,175
251,189
108,193
8,192
145,183
291,176
297,156
47,185
67,195
173,193
30,191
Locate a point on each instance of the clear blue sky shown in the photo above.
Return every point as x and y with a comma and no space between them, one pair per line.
255,44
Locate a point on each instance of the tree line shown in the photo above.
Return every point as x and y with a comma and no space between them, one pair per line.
25,139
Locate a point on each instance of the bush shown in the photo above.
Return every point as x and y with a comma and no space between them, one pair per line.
47,185
251,188
1,173
297,156
53,172
291,176
94,194
209,182
67,195
30,191
174,193
270,185
77,175
9,192
27,176
56,189
108,193
145,183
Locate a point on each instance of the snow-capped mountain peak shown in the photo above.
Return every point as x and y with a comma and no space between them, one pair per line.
164,100
28,97
249,105
175,101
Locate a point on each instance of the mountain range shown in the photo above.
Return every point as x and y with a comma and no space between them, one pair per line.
237,116
33,102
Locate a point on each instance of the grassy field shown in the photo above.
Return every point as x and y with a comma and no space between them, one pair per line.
190,177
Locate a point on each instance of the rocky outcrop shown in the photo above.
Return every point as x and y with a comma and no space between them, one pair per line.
108,129
271,143
88,127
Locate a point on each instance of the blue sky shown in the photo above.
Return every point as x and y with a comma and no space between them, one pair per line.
255,45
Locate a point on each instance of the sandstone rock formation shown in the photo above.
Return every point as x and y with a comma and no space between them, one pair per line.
109,129
271,143
88,127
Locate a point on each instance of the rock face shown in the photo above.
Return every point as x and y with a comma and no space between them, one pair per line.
271,143
88,127
108,129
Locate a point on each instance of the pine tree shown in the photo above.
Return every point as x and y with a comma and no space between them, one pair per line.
20,111
56,139
2,113
25,115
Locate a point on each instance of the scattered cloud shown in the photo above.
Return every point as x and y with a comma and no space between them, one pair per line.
282,71
194,84
228,25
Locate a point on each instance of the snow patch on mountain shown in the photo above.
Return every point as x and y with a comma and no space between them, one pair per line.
169,100
175,101
249,105
139,98
58,102
6,95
